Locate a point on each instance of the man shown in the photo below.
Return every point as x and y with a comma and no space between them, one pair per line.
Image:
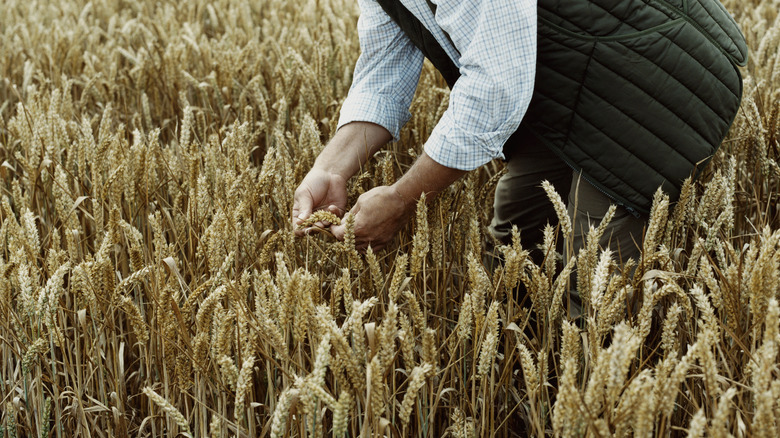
590,139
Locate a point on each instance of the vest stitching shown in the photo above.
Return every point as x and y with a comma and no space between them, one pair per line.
731,43
557,29
712,40
579,94
667,13
698,61
641,127
626,181
708,105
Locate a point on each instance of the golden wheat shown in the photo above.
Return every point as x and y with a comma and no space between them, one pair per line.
152,283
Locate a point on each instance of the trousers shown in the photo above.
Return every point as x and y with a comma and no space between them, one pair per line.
520,200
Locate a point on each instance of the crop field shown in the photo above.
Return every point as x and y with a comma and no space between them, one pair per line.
151,283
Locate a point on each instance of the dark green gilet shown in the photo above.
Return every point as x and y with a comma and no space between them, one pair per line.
635,94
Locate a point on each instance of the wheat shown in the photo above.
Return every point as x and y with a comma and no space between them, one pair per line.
341,412
136,320
465,319
169,409
243,385
320,216
490,342
698,425
375,270
765,424
406,339
149,152
416,381
398,277
286,399
40,346
560,207
348,245
429,349
420,240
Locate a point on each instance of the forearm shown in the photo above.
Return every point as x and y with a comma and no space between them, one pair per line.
426,176
350,148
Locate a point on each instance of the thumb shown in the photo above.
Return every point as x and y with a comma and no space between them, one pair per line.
336,210
340,230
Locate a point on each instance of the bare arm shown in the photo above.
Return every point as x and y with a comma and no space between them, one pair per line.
351,147
426,176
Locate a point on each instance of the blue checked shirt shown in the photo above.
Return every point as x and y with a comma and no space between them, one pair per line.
495,51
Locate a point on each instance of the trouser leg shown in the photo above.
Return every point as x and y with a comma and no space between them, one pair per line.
520,199
587,207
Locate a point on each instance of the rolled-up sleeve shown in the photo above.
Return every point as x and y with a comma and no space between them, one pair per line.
386,73
496,41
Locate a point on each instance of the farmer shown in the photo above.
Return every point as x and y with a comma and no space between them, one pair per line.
608,100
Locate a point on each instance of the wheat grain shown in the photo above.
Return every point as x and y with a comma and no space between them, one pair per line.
406,339
560,207
375,270
320,216
420,240
465,319
341,414
169,409
698,425
416,381
243,385
489,346
286,399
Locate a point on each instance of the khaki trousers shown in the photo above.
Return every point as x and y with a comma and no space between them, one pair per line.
520,200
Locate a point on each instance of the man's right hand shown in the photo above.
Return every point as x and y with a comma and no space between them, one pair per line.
319,190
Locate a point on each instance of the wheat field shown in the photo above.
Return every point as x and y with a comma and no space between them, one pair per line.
152,285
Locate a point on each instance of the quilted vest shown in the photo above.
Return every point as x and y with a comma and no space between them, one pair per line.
634,94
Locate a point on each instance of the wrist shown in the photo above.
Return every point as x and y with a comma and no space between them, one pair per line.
332,166
408,193
425,176
405,196
350,148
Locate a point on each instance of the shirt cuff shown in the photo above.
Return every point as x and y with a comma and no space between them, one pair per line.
452,147
383,110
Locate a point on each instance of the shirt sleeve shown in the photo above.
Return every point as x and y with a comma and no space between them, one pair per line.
496,40
386,73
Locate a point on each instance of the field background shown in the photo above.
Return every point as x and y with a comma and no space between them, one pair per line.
151,285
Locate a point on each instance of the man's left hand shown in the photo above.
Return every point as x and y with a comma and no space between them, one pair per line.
379,214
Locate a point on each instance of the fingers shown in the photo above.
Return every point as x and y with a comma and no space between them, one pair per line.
363,238
302,206
336,210
340,230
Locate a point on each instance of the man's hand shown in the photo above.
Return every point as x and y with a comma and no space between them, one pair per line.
379,214
319,190
325,186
